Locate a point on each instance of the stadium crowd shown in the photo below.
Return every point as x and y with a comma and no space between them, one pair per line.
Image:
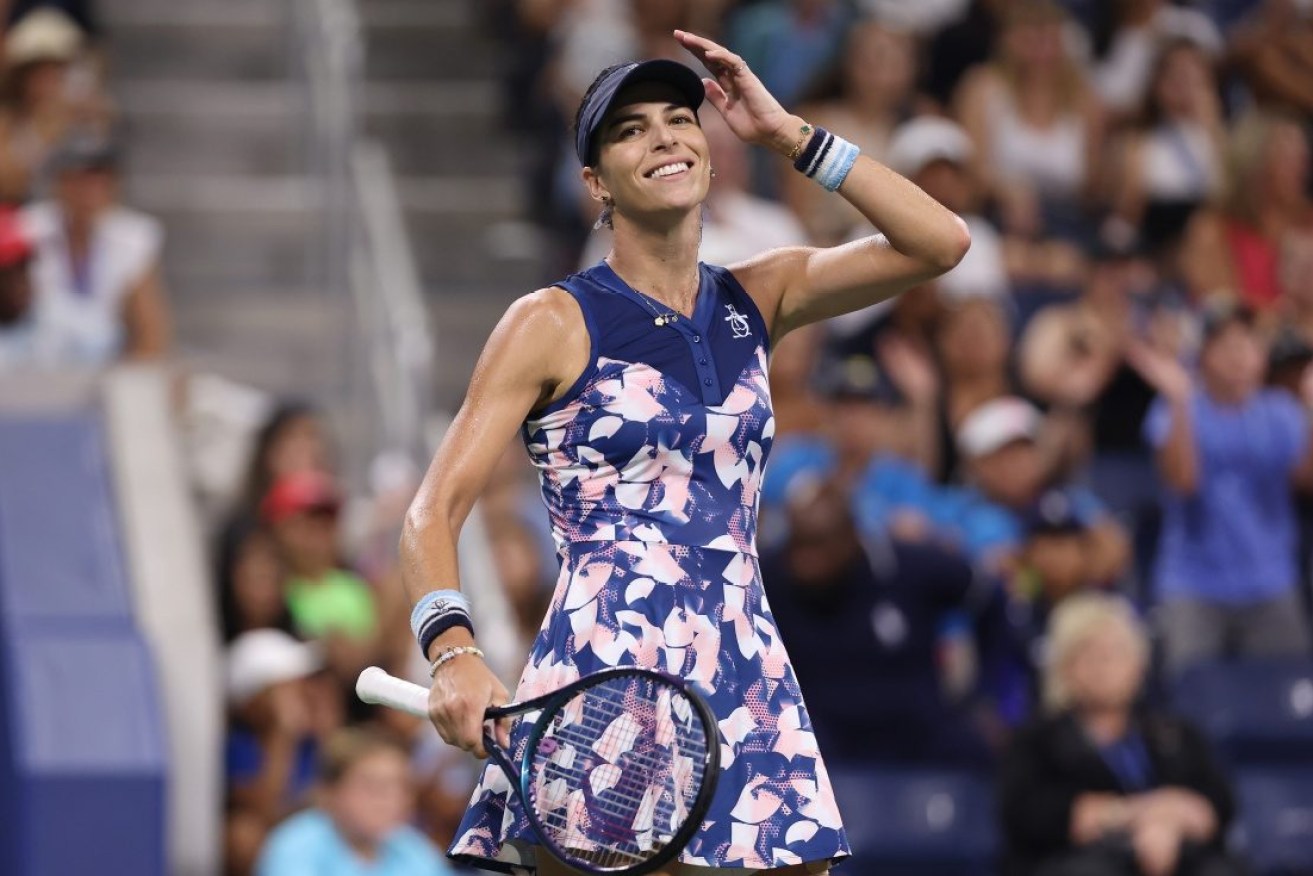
1005,514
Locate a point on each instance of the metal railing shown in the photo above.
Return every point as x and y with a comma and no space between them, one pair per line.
364,253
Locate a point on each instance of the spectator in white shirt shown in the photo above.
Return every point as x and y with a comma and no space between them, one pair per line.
96,268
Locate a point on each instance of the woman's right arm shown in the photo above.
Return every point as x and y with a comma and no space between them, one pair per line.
533,356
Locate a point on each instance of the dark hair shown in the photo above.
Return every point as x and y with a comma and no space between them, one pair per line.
1151,111
257,476
583,102
233,543
349,746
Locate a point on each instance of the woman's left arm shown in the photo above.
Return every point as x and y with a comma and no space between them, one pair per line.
919,238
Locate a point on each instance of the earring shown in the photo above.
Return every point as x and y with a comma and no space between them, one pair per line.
713,172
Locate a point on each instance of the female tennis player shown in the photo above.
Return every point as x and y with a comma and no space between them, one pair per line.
639,387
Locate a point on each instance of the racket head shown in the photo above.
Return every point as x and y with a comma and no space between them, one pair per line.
619,769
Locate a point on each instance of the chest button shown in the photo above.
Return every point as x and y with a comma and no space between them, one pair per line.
707,381
697,339
702,361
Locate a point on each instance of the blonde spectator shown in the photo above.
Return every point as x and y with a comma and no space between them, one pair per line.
864,98
1098,785
1036,125
48,89
1170,162
1235,248
97,265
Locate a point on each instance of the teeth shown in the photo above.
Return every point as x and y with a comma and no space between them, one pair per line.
669,169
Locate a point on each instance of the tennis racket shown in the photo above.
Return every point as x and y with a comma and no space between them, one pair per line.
616,772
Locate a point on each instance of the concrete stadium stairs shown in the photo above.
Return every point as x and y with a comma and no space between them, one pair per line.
434,99
216,126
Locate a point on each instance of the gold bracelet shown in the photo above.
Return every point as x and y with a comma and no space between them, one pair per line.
447,654
806,132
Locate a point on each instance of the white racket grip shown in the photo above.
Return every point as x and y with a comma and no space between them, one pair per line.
377,687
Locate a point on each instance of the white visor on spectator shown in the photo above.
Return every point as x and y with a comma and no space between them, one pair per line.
43,35
262,658
923,140
996,424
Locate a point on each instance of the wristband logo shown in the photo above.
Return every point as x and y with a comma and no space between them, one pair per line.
738,323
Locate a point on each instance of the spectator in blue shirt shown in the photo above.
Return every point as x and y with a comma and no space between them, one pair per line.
361,828
1007,473
1229,452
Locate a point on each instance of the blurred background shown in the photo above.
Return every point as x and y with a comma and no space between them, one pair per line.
1038,535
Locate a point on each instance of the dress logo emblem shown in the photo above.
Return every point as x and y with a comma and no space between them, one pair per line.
738,323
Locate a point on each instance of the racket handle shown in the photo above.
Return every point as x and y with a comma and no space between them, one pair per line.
376,687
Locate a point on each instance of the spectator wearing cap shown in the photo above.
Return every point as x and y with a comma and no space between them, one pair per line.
878,437
360,825
1007,471
861,617
97,263
1228,451
863,96
301,511
271,754
49,89
937,155
1052,563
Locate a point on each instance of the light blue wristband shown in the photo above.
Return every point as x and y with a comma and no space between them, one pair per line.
436,606
840,160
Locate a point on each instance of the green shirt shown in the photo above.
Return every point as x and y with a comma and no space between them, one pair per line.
338,602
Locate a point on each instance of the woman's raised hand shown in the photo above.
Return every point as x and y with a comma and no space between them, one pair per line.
752,112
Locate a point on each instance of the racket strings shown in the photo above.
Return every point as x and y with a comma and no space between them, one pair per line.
618,770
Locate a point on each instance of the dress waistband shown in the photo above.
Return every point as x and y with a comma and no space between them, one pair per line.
583,546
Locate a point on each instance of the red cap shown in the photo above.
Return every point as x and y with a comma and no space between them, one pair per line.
298,493
15,248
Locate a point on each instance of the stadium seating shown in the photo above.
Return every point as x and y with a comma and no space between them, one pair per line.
905,821
1256,712
1276,819
82,762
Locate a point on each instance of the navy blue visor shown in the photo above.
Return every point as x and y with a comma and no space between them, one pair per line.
685,81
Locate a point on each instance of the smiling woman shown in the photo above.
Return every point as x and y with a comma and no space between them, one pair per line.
640,389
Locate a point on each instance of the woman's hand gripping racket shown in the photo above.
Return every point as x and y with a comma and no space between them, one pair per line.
616,772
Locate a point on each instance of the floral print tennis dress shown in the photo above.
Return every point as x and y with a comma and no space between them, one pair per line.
650,468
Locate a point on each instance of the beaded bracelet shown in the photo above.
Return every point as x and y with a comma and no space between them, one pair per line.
447,654
827,159
438,612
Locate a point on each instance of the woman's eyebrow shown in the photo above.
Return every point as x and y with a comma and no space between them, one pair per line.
637,116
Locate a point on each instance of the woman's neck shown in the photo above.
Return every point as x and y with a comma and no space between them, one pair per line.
1106,726
662,263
